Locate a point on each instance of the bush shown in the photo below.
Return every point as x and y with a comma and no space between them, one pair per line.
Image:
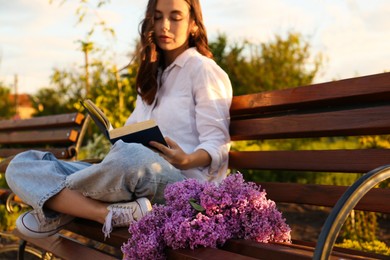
374,246
7,220
96,148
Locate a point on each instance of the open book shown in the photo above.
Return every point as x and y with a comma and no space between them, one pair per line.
142,132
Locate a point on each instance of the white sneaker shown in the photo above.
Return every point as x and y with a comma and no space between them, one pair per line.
122,214
32,225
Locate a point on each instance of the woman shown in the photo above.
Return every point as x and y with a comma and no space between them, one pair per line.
184,91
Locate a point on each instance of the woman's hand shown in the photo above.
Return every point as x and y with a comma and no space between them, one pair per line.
178,158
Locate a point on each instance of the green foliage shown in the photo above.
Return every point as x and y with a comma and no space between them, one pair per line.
113,93
373,246
7,220
3,182
84,8
279,64
194,203
97,147
375,141
7,109
98,79
62,97
287,63
360,226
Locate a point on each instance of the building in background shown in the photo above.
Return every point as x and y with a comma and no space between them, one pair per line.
23,105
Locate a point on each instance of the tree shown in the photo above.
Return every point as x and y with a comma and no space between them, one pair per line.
63,96
286,63
279,64
112,92
7,109
88,45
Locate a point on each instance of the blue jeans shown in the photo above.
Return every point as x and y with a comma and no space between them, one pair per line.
128,171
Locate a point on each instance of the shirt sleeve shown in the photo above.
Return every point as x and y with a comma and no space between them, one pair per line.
213,96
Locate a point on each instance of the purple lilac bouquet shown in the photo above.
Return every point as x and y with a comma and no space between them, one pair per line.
200,214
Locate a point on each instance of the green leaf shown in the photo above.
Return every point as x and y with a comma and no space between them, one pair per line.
196,206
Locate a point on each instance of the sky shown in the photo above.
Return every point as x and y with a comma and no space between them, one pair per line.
35,36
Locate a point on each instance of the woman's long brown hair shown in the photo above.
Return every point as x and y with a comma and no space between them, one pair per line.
151,57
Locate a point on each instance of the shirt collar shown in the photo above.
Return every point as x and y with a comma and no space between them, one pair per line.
181,60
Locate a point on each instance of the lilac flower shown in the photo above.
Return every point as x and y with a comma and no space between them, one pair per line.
198,214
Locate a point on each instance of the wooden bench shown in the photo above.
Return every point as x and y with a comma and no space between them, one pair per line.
352,107
60,134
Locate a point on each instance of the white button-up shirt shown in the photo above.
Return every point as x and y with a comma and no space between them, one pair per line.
192,108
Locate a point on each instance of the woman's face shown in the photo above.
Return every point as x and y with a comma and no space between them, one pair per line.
172,26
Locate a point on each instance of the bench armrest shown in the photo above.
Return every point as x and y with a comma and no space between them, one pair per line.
343,208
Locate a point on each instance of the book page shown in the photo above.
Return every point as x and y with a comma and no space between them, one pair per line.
132,128
98,113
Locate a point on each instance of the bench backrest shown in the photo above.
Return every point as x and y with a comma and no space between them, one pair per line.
60,134
352,107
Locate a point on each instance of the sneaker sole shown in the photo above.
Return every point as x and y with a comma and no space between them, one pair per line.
21,227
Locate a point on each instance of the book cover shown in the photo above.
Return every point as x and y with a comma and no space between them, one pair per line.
141,132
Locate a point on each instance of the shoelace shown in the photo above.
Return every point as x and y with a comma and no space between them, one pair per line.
107,227
120,213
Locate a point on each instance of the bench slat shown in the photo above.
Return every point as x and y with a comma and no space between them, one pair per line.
348,91
60,153
365,121
66,249
93,230
377,200
205,253
269,250
237,247
288,251
353,161
62,120
119,236
43,136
